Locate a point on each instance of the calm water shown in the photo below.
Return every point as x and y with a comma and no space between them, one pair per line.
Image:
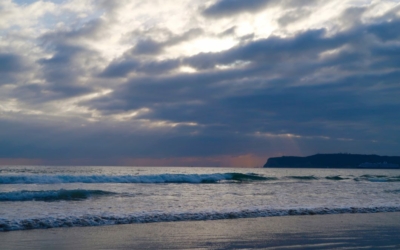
47,197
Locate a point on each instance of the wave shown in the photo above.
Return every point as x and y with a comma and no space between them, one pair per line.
378,178
96,220
176,178
306,177
52,195
336,178
397,191
250,177
162,178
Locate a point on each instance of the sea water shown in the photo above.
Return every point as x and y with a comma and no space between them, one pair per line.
33,197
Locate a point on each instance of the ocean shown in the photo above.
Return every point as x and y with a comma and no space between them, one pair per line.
40,197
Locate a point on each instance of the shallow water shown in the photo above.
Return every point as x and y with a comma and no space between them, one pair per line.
47,197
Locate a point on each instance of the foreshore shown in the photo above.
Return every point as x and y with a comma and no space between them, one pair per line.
338,231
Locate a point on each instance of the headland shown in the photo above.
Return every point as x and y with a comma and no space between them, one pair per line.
335,161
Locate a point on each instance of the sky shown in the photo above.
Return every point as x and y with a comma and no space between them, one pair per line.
197,82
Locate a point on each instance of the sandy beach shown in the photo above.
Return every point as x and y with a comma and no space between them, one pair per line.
342,231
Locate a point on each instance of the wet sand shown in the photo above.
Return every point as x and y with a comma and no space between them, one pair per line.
342,231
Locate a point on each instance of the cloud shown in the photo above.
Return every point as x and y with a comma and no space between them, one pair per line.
131,61
226,8
386,31
121,68
127,82
149,46
10,65
293,16
230,7
283,87
273,49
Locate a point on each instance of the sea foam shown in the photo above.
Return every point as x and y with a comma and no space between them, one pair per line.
99,220
51,195
177,178
162,178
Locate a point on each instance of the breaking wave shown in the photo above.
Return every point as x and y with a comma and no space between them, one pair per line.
178,178
397,191
163,178
306,177
51,195
336,178
96,220
378,178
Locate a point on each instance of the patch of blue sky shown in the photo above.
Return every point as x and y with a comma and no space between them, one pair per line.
92,16
6,31
50,20
27,2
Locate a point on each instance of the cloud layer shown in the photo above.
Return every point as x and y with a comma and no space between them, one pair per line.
220,83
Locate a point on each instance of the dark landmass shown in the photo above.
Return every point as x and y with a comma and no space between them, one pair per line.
335,161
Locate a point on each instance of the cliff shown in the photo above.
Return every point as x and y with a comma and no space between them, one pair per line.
335,161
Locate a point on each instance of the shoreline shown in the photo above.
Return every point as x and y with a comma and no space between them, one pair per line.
283,232
98,221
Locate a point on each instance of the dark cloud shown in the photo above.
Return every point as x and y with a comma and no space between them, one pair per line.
352,16
148,46
293,16
10,63
10,66
61,73
333,92
228,32
95,142
121,68
271,50
186,36
231,7
75,34
69,63
132,62
287,86
63,70
223,8
386,31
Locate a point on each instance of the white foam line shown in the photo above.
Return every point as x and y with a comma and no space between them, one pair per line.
162,178
94,220
51,195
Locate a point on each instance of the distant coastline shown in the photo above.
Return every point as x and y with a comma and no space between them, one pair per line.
335,161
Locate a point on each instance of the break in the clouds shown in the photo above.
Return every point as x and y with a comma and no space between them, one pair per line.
187,82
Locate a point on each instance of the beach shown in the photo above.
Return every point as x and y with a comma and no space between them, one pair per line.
198,208
189,124
336,231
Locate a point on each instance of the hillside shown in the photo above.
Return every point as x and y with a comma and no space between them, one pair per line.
335,161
